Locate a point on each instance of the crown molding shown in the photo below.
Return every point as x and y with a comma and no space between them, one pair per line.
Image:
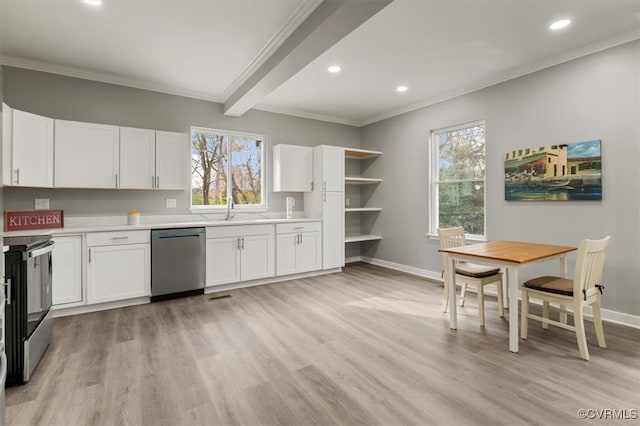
306,114
511,74
298,16
29,64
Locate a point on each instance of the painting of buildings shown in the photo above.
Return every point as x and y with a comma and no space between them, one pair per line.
563,172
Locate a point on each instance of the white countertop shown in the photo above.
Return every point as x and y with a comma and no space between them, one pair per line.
79,225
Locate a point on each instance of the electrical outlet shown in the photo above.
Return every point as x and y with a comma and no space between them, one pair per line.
347,202
41,204
170,203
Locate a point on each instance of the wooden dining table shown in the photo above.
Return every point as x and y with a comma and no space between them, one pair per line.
510,255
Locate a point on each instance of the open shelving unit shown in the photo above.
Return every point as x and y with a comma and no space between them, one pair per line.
357,180
361,154
361,237
362,209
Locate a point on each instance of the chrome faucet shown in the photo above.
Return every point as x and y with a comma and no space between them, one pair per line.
230,206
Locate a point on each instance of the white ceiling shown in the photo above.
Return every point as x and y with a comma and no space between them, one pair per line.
207,49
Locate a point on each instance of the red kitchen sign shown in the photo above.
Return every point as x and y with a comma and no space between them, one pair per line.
33,219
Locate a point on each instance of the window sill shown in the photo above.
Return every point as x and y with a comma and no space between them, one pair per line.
476,238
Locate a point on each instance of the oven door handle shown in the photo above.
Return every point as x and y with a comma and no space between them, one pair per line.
40,251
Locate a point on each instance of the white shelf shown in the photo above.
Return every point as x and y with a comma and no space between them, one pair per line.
360,154
361,237
363,209
355,180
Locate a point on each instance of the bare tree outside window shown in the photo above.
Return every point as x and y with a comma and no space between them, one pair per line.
458,178
226,165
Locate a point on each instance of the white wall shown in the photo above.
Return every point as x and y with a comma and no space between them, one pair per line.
594,97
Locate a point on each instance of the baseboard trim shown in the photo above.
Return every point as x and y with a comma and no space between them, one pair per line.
85,309
271,280
608,315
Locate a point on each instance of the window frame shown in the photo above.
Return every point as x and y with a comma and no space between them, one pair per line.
434,182
248,208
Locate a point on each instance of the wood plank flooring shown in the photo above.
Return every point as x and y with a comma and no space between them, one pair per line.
368,346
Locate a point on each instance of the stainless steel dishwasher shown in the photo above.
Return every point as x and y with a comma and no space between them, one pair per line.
177,262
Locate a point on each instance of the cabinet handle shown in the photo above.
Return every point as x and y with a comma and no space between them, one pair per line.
7,284
157,181
89,255
119,238
324,196
311,186
300,238
116,180
238,243
17,176
242,243
324,185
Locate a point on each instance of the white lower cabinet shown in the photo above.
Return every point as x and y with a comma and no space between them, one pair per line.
299,248
67,271
239,253
118,266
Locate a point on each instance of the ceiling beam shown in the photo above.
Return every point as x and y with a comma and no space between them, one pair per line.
331,21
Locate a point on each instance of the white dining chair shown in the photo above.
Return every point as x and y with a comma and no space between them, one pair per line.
468,273
584,290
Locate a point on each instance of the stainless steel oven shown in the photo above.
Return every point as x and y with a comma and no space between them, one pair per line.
28,266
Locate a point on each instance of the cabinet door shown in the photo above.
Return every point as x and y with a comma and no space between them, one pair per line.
32,150
286,247
137,158
257,257
292,168
118,272
67,270
333,168
86,155
223,261
171,160
309,252
333,230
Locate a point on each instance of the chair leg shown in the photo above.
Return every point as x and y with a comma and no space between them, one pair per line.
463,292
580,335
481,303
524,319
563,314
500,299
445,296
597,322
545,314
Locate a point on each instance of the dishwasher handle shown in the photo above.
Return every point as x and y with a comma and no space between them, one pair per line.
161,237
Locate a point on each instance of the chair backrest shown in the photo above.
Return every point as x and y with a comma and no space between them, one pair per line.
589,266
450,237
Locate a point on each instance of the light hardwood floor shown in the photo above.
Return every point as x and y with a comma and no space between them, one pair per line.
364,347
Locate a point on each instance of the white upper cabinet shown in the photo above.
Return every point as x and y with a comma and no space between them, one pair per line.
27,146
137,158
329,167
152,159
86,155
292,168
171,160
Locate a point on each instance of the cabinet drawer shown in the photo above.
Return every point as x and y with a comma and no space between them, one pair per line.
238,231
287,228
117,237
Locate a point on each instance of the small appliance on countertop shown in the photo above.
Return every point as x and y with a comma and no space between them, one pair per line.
28,321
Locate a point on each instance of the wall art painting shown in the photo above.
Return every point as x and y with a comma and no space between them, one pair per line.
564,172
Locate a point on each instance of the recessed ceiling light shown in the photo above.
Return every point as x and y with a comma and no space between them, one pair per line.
93,2
334,69
402,89
559,24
